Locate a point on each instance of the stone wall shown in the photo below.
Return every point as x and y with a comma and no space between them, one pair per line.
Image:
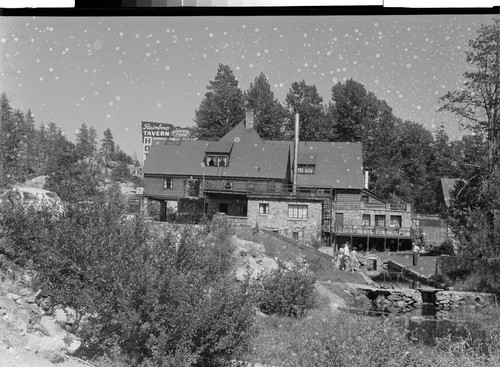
449,301
277,219
395,301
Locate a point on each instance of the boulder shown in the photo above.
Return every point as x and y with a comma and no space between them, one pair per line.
32,298
47,347
12,296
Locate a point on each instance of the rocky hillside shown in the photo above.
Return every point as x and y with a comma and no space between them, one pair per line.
29,335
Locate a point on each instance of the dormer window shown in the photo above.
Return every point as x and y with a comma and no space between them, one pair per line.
306,164
306,169
217,154
213,160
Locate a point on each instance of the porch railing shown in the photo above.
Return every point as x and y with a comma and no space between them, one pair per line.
370,230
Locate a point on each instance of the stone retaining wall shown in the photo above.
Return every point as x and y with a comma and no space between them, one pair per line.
448,301
398,301
395,301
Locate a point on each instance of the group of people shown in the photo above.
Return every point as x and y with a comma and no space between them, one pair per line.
348,259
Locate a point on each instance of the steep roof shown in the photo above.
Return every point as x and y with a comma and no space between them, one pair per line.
247,159
338,165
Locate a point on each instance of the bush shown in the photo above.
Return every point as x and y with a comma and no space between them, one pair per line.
445,248
160,297
287,291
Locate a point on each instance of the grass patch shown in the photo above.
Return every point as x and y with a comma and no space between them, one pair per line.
342,339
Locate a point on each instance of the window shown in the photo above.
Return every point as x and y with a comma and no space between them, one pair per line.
297,211
263,208
295,236
364,198
380,220
168,183
306,169
366,219
216,160
396,221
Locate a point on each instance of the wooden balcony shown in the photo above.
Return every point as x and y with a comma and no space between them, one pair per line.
264,188
360,205
372,231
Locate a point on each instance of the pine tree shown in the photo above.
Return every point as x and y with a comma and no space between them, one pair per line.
93,140
270,115
31,141
305,100
84,143
107,147
41,148
222,108
5,131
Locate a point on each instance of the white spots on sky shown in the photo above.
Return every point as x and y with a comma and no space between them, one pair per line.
167,68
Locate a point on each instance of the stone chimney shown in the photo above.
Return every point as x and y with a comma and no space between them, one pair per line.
249,119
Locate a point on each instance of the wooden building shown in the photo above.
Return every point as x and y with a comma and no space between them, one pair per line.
253,182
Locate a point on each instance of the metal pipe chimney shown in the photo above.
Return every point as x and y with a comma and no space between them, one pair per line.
295,153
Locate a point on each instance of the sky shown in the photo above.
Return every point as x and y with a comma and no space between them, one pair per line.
118,71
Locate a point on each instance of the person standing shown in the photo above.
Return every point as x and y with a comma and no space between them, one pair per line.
416,252
341,259
347,257
354,260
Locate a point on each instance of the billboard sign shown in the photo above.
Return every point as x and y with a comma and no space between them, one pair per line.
160,130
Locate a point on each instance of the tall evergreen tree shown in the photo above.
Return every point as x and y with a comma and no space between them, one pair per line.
5,131
107,146
41,148
270,115
84,144
31,140
222,108
305,100
93,140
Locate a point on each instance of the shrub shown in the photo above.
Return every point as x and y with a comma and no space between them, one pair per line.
287,291
160,297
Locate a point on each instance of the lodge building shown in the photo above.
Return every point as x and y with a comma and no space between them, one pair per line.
307,191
